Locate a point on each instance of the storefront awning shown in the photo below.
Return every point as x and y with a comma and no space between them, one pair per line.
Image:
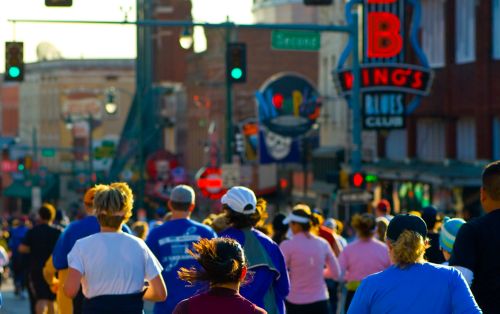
19,190
447,173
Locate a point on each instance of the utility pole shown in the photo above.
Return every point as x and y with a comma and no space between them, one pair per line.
356,157
90,122
229,105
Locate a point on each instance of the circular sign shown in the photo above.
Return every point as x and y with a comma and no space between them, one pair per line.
288,105
209,181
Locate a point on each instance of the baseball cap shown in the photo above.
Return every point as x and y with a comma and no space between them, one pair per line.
400,223
182,194
240,199
449,232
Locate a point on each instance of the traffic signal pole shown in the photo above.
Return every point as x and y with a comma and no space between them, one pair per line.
229,107
145,67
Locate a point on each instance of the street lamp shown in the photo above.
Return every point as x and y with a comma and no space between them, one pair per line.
110,106
186,39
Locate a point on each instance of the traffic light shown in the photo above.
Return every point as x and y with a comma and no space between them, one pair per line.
357,180
236,62
318,2
58,3
20,164
14,64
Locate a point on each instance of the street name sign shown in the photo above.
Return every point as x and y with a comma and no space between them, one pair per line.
295,40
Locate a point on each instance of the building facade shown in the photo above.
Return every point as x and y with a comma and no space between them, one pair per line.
62,108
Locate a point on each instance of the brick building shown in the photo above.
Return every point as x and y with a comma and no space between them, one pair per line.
456,130
206,91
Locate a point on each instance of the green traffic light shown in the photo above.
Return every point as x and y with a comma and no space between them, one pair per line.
20,167
236,73
14,71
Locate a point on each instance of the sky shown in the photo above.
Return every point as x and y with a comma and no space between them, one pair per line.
94,41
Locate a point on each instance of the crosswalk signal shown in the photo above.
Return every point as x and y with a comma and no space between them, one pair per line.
236,62
14,64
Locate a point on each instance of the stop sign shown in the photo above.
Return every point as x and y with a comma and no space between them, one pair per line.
209,181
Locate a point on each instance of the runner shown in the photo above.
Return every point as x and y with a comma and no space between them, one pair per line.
39,243
75,231
223,267
364,256
170,242
383,209
18,260
111,265
306,256
412,285
270,284
448,235
477,247
433,253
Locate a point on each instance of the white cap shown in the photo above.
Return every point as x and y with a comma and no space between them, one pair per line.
296,218
239,198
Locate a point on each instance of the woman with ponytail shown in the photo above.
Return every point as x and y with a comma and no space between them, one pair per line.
412,285
111,265
223,267
364,256
306,256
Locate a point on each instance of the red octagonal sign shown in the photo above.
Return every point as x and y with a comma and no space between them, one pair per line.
209,181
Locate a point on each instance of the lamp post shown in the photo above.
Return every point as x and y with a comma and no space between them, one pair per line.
110,108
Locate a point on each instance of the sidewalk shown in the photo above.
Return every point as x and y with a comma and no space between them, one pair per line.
11,303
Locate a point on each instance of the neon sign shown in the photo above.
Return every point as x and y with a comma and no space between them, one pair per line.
288,105
386,78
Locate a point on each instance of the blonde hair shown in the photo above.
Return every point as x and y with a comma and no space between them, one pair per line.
408,249
365,225
113,204
141,229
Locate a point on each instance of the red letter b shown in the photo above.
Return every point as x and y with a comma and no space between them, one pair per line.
384,39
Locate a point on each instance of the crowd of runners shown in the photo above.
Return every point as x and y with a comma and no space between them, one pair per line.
242,261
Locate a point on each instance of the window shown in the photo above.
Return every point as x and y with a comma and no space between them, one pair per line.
465,29
431,140
433,31
395,145
466,139
496,29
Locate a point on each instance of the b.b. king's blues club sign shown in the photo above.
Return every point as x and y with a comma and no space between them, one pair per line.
390,87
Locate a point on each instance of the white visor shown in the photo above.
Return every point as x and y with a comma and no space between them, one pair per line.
295,218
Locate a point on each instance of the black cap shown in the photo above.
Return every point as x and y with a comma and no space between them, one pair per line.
429,215
401,223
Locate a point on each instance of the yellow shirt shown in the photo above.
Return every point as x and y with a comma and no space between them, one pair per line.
64,304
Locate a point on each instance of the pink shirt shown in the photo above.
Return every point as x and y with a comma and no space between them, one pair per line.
306,257
362,258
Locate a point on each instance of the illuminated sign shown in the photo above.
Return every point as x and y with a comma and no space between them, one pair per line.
209,181
288,105
386,79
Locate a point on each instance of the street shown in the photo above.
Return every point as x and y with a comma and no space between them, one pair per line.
16,305
11,303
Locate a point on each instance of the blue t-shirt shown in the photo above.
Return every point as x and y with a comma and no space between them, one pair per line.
420,288
17,235
75,231
169,243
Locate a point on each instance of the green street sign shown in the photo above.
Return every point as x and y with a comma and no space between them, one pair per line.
295,40
48,152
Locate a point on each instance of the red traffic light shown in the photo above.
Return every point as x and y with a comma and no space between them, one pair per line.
358,179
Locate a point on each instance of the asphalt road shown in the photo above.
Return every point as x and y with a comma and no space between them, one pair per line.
15,305
11,303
